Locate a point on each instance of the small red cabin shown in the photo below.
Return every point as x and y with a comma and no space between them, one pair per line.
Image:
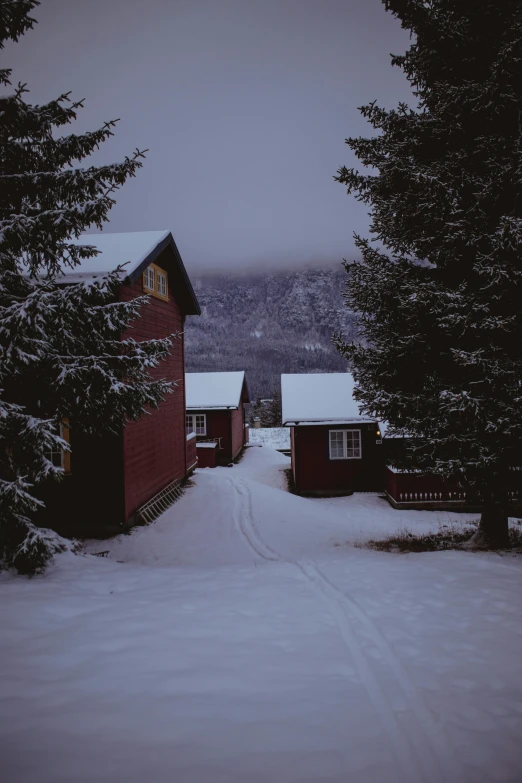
109,478
216,413
334,450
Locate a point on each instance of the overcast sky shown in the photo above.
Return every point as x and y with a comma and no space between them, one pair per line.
243,104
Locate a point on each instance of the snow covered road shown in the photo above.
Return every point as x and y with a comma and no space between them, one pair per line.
241,640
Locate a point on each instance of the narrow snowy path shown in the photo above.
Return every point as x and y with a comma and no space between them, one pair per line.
412,746
241,639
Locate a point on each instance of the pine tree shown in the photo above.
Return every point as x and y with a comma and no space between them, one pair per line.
256,411
266,411
61,352
438,290
273,412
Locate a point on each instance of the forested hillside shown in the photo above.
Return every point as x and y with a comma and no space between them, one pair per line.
268,324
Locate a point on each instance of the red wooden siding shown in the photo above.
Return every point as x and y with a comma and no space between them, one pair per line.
207,457
154,447
238,430
405,487
423,490
218,426
315,473
192,455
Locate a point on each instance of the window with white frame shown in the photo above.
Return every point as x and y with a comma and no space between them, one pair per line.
345,444
148,279
162,283
56,457
61,458
196,422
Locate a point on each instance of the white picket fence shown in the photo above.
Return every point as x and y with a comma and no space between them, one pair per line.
435,497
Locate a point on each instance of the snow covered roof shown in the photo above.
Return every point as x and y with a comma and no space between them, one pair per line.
136,250
319,397
206,390
130,248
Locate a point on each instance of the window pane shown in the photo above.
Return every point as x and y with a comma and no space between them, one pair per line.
200,424
189,427
353,443
162,284
148,279
55,457
336,444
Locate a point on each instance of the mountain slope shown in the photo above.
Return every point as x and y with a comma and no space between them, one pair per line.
268,324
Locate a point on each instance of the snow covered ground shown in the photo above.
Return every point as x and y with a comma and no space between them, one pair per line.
276,437
235,641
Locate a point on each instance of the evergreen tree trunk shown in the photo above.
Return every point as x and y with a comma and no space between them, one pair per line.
493,529
493,532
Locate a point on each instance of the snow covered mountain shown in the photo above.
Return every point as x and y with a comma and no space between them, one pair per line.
268,324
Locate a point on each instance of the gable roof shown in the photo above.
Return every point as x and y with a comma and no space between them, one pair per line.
318,398
219,390
135,249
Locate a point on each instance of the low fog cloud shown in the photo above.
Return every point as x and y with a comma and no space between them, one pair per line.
244,106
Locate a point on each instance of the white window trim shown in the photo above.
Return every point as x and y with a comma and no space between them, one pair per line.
345,448
146,284
192,416
161,277
65,456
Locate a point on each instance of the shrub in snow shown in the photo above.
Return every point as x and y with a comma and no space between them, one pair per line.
61,356
447,537
29,548
438,294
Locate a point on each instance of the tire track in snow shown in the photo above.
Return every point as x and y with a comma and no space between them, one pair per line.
244,521
425,746
420,757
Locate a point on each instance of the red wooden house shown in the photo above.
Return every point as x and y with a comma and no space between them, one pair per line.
110,479
216,413
334,450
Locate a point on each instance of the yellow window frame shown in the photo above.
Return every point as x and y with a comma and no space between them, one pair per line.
157,270
65,433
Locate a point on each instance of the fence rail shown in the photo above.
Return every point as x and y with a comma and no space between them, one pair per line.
415,487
